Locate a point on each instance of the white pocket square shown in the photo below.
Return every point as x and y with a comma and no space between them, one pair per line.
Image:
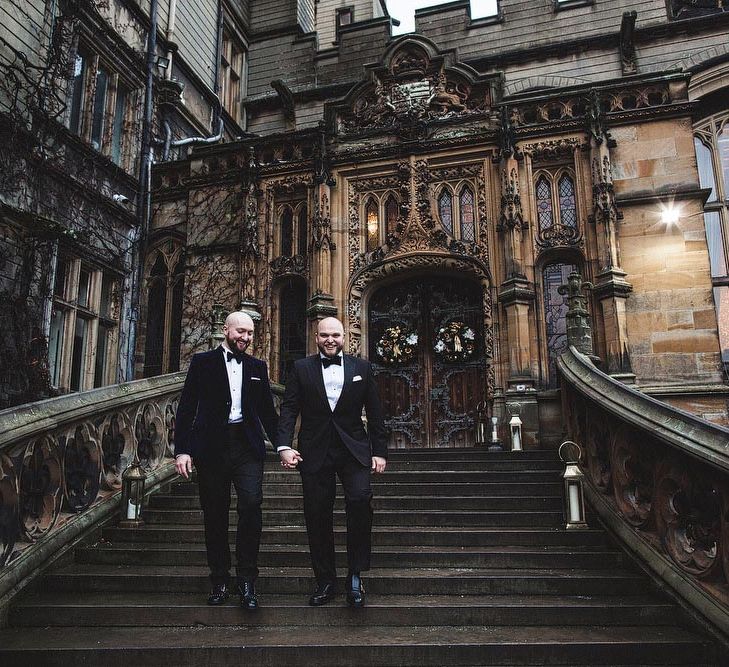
356,378
254,378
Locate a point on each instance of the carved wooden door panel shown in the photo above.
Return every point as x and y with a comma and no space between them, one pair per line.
429,388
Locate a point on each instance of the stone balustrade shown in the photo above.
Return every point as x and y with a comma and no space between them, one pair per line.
658,478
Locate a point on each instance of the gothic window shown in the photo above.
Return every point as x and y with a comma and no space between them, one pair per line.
544,204
83,327
467,215
287,232
712,157
231,74
165,290
372,216
302,232
445,210
292,325
392,210
685,9
567,206
555,314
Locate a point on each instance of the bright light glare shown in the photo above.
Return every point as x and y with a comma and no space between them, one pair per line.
670,215
404,11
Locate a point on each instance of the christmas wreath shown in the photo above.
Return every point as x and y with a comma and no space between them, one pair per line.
397,346
455,341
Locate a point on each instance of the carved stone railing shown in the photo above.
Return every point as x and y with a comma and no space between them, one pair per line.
61,462
658,478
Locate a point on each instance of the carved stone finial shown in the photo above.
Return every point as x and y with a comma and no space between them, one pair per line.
579,331
594,118
217,320
508,143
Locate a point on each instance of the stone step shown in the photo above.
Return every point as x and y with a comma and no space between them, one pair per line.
382,517
360,645
391,535
419,556
142,609
519,489
280,501
468,453
441,476
84,577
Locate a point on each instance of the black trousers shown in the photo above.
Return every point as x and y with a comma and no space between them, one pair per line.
240,466
319,491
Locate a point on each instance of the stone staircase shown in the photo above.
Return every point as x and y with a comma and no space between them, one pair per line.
472,567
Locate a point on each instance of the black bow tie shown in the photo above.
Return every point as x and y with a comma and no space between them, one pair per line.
328,361
238,356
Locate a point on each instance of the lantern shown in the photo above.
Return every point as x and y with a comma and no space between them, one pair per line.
574,498
515,431
133,479
495,445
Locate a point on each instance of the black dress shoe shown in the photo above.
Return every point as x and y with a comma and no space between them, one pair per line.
248,599
218,595
355,591
322,594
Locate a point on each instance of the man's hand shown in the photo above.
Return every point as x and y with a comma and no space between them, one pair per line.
183,463
378,464
290,458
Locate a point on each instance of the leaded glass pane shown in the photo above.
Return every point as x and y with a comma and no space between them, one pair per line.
391,212
717,258
723,144
545,214
555,313
567,207
445,210
287,232
468,219
303,233
706,168
373,225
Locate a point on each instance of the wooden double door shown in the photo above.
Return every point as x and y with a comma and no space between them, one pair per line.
430,394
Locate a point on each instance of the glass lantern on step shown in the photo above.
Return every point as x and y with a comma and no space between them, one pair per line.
574,498
133,481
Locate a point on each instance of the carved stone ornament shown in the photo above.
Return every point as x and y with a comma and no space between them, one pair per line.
511,212
322,225
295,265
414,85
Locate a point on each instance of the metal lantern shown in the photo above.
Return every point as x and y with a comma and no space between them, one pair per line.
133,479
495,444
515,431
574,498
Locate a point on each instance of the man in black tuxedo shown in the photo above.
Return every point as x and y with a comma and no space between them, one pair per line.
329,390
225,406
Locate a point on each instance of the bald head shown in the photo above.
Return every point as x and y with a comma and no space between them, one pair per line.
330,336
238,331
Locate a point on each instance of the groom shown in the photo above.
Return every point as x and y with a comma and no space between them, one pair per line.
329,391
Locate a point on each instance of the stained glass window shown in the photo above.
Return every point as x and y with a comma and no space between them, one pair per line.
445,210
391,212
302,232
555,313
545,214
468,218
567,206
287,232
373,225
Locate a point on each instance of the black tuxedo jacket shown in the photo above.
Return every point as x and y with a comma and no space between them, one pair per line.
202,414
305,395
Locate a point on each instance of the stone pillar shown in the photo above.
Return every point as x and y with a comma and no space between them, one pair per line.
517,295
611,289
217,320
250,253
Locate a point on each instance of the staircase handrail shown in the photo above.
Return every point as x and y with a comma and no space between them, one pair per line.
658,478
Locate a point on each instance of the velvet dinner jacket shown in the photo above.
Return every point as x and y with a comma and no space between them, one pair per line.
305,395
202,414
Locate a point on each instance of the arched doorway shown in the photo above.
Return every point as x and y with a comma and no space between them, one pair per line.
431,388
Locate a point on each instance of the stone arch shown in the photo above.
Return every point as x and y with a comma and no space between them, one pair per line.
364,282
541,81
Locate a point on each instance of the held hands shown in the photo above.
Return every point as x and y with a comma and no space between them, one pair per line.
290,458
183,463
378,464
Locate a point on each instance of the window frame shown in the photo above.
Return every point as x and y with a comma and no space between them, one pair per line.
69,371
456,193
232,74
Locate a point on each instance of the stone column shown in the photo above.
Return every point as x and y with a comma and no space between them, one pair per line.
250,252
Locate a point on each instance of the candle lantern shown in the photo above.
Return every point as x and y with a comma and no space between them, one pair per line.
495,444
515,430
573,477
133,480
480,425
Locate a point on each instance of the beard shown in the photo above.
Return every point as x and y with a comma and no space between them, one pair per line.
330,352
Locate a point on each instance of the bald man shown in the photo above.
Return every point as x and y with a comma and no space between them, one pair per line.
225,406
329,390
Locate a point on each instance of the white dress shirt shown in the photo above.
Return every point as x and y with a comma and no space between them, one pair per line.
235,382
333,380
